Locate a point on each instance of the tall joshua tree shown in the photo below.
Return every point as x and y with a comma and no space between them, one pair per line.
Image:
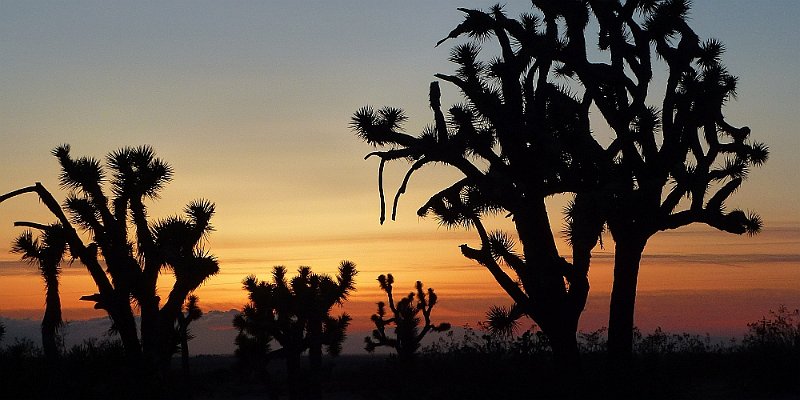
296,313
700,157
47,255
405,317
135,255
517,140
635,184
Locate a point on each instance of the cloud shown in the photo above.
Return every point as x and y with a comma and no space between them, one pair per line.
725,259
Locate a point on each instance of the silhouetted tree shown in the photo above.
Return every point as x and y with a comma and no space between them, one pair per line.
405,317
296,313
519,139
47,256
2,331
635,184
132,176
683,149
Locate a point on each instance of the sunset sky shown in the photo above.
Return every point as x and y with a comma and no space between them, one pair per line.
250,102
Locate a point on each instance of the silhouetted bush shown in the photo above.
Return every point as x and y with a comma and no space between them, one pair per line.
779,332
94,351
660,342
533,342
21,349
593,342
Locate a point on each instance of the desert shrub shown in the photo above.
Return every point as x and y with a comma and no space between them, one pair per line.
778,332
532,342
593,342
96,351
660,342
20,350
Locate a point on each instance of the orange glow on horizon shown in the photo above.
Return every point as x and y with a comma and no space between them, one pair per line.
703,286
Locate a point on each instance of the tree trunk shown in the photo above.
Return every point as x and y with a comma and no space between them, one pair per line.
565,348
543,280
51,320
122,315
185,350
627,256
315,357
183,332
567,373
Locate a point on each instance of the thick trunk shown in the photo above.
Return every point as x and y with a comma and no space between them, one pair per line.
406,352
168,315
627,256
184,336
552,307
315,357
543,277
579,282
565,349
154,364
51,321
315,344
122,315
185,352
50,340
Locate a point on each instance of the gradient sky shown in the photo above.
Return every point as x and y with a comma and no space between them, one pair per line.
250,102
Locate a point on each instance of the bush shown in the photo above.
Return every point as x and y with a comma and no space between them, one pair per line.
532,342
779,332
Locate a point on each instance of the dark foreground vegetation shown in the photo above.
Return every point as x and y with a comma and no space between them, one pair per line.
463,364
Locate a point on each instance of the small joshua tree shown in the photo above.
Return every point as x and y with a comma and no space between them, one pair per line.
46,253
405,317
296,313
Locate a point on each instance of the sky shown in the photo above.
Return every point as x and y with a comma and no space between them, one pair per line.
250,103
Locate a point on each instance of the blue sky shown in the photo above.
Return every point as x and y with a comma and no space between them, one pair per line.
258,86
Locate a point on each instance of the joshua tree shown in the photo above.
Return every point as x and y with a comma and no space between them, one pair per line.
296,313
521,137
405,317
700,156
518,140
132,175
47,256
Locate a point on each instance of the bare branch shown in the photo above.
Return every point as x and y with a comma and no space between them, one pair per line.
34,225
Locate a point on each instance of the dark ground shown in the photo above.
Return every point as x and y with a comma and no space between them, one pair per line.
463,372
478,376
